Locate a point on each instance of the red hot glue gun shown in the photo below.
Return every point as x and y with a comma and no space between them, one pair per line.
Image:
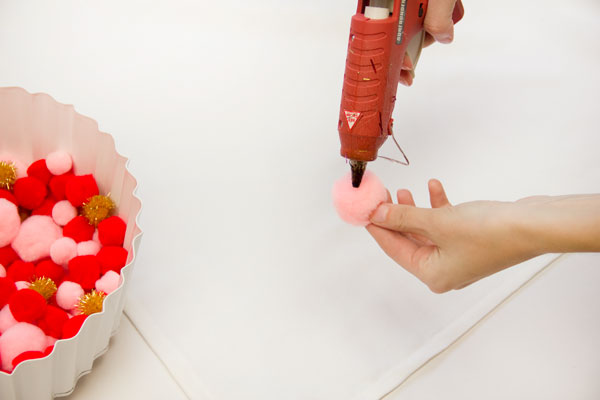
382,33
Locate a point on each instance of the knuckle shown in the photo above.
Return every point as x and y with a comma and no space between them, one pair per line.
436,27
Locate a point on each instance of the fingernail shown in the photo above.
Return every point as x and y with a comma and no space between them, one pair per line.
403,80
380,214
444,38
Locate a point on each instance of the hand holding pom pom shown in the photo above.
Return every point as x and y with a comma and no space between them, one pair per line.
355,205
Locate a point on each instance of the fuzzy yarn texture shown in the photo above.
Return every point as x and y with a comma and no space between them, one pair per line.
7,288
36,235
88,248
27,305
63,250
59,162
6,320
39,170
45,208
68,295
7,255
52,321
2,271
112,258
10,222
21,271
27,355
22,285
50,269
57,185
84,270
63,212
72,326
18,339
5,194
80,188
355,205
111,231
79,229
109,282
30,192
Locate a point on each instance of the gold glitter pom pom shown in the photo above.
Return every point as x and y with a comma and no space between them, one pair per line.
97,208
44,286
8,174
91,302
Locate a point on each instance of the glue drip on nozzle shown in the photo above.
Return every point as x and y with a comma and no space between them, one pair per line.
358,170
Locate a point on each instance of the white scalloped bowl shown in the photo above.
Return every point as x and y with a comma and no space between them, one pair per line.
31,126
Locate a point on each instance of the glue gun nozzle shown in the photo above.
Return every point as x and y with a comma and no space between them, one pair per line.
358,170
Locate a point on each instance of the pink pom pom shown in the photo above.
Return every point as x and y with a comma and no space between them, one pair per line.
63,250
109,282
68,295
51,341
2,271
21,168
9,222
63,212
88,248
36,235
6,319
22,285
355,205
59,162
18,339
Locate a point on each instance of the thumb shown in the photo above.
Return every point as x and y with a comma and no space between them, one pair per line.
438,21
400,217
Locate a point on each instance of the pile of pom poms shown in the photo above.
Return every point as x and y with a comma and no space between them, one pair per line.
61,254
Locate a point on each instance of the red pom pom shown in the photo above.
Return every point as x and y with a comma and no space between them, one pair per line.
7,255
7,288
27,355
52,321
80,188
72,326
57,185
112,258
48,350
30,192
78,229
27,305
5,194
39,170
84,270
50,269
45,208
20,271
111,231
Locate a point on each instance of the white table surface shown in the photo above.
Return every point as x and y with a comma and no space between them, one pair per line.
541,343
523,120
